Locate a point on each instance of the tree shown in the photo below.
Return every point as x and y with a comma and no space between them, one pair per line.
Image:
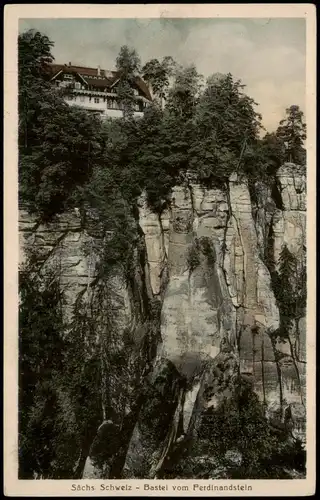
58,143
60,380
226,130
61,158
177,124
170,65
82,386
34,54
301,290
272,152
152,158
128,64
292,133
286,294
41,350
239,424
128,61
184,94
154,74
157,74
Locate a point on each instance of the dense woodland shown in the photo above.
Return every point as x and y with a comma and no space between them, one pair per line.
69,158
212,129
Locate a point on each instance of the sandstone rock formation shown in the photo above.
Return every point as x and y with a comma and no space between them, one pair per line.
199,309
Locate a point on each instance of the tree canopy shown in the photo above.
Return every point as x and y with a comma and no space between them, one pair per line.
292,133
227,128
128,64
157,74
58,143
212,129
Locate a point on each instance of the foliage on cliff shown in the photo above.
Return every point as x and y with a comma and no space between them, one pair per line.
235,440
292,133
41,348
239,424
128,64
157,74
226,128
290,287
58,144
60,380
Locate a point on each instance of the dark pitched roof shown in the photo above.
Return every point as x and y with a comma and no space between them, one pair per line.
143,86
99,83
92,77
82,70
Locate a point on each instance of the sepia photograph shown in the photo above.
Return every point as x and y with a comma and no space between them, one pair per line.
162,168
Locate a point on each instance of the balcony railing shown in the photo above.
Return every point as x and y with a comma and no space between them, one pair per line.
98,93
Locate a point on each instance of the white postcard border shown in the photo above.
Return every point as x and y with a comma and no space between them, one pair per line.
15,487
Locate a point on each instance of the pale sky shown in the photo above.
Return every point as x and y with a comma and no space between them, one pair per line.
268,55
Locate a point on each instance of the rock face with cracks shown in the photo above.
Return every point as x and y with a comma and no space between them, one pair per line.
198,310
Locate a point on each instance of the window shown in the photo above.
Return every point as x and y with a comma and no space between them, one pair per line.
96,100
68,77
77,85
82,98
111,103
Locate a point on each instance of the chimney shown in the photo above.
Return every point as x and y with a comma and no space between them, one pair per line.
69,63
99,71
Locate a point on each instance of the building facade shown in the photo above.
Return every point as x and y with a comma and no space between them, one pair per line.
95,89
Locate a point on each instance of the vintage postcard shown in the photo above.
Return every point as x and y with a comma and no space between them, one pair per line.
160,250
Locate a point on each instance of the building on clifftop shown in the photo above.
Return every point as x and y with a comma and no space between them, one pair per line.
95,89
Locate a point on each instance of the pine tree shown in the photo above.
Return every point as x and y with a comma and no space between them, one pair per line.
272,151
226,130
184,94
286,294
292,133
128,64
58,143
41,349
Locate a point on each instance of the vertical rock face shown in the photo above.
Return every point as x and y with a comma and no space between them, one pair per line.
290,223
155,241
199,309
290,230
196,307
60,245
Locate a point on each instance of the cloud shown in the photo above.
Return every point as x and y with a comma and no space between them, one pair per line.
267,55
